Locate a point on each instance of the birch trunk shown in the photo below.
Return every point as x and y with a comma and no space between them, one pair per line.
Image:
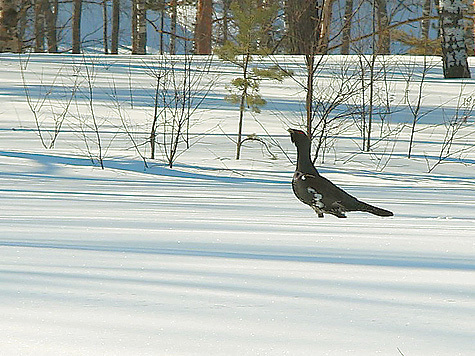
452,28
142,27
425,23
327,12
384,39
139,27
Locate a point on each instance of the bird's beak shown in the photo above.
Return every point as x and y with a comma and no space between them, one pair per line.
292,134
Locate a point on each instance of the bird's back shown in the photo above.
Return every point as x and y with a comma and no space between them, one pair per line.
307,186
334,194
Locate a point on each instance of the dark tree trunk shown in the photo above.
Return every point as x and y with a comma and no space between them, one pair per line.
346,32
115,27
134,25
304,24
76,41
39,26
51,16
425,23
9,41
267,40
162,28
454,52
203,27
310,64
22,26
173,18
226,9
105,27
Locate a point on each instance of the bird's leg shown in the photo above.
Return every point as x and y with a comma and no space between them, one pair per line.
338,210
318,211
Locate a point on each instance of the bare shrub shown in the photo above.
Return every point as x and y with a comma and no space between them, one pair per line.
181,84
458,131
49,102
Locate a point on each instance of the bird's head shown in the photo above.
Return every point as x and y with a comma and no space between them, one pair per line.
299,138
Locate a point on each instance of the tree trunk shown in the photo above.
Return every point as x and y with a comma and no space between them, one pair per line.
327,12
241,119
302,21
267,39
242,105
203,27
22,26
134,24
51,16
370,102
454,52
226,9
9,41
153,131
384,40
173,18
309,63
105,26
425,23
469,28
76,20
139,27
437,6
39,26
346,31
162,28
142,27
115,27
305,22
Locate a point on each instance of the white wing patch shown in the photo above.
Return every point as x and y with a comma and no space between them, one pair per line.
317,197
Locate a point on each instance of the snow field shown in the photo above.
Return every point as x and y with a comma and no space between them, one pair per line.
217,257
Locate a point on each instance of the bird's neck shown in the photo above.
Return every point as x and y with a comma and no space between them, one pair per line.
304,163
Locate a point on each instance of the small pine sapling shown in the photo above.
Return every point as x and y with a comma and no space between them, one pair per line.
254,22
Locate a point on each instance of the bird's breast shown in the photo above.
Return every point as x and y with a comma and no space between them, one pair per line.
305,189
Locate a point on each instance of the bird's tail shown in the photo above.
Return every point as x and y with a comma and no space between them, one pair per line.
373,209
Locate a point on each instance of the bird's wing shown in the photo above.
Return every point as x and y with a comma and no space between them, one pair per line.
319,191
300,186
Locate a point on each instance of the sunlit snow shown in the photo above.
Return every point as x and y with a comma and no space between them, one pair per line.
217,256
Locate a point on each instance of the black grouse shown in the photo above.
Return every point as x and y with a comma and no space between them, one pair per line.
322,195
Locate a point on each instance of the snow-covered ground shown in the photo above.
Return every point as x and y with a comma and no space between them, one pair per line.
216,256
